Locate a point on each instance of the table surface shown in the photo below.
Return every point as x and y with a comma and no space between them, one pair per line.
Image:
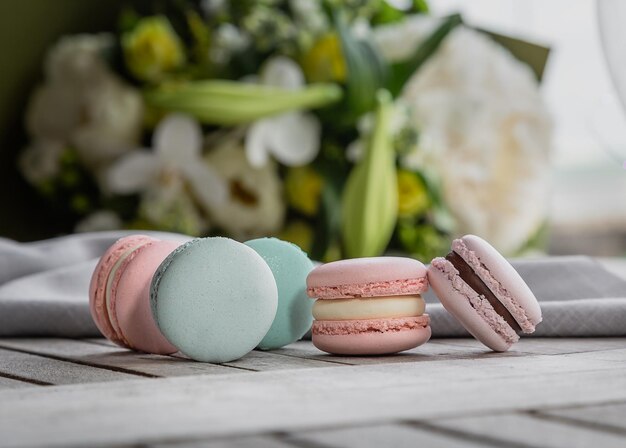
450,392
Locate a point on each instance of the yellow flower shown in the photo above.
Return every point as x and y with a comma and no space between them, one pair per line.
152,48
303,187
324,62
298,233
412,194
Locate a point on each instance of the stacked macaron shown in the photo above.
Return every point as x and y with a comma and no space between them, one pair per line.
484,292
369,305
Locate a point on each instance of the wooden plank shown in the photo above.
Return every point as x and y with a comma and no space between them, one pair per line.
427,352
100,341
542,346
553,346
260,441
262,361
255,361
376,436
251,403
610,416
527,430
51,371
114,357
9,383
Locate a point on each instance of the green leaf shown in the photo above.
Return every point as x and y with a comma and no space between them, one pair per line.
219,102
370,199
366,71
402,72
327,224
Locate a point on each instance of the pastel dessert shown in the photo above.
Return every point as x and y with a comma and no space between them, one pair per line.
369,306
290,266
119,293
214,298
484,292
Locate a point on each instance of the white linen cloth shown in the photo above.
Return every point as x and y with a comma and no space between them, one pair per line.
44,290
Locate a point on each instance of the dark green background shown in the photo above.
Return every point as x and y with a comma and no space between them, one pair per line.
27,29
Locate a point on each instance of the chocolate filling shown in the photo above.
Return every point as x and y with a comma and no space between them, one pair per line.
474,281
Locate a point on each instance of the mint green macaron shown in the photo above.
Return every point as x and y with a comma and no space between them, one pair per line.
290,266
214,299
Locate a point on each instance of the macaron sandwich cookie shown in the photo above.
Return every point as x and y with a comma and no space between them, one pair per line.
369,306
214,299
119,293
290,266
484,292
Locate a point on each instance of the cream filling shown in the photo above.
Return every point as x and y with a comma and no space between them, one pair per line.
368,308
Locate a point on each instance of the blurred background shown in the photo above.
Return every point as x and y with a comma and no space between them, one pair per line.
588,198
585,194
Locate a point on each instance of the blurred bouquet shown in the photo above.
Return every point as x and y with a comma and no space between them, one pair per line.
348,127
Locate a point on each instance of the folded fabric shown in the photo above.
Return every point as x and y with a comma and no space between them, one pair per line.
44,290
44,284
578,297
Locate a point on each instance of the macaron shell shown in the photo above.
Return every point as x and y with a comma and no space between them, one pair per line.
502,270
98,283
132,299
372,343
365,270
459,306
214,298
367,277
290,266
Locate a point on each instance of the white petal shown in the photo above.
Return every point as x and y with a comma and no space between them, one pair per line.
256,142
99,221
280,71
355,150
178,139
208,186
295,139
132,173
41,161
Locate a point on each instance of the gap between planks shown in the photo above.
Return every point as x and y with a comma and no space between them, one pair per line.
229,405
446,433
109,357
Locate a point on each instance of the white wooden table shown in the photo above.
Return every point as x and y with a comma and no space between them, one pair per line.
448,393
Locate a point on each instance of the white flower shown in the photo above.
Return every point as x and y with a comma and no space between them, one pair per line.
292,138
41,161
485,130
177,152
399,121
255,205
77,60
227,41
398,41
83,104
99,221
309,15
113,117
168,205
213,7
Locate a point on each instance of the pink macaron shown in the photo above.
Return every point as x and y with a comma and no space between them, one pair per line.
119,293
369,306
484,292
